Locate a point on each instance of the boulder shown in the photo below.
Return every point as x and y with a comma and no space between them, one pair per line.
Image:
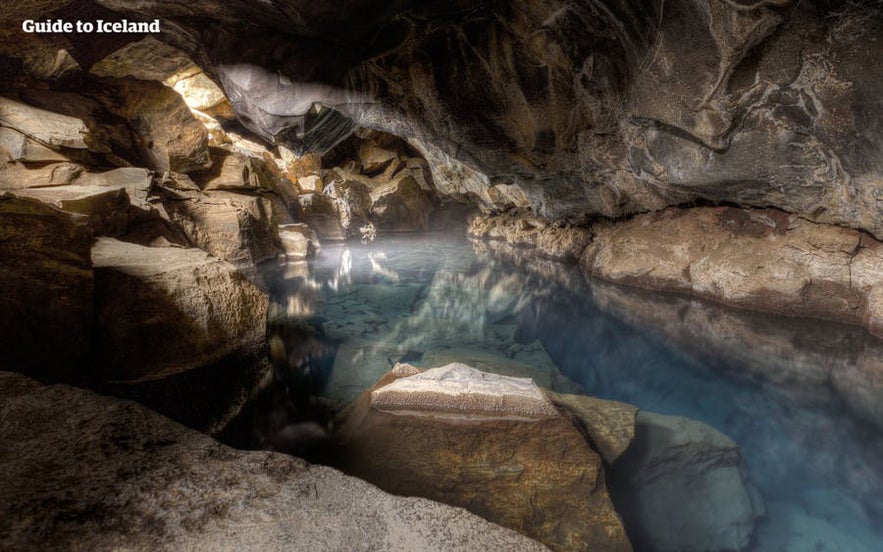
298,240
164,310
15,146
320,213
145,59
86,471
352,201
400,205
609,424
169,138
46,289
240,228
491,444
682,485
756,259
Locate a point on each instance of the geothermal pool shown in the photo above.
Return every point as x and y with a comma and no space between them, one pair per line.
800,398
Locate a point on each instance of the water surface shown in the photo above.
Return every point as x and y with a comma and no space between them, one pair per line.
802,399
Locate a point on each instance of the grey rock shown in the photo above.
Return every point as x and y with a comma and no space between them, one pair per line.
86,471
687,487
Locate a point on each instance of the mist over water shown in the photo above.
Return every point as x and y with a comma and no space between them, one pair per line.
802,399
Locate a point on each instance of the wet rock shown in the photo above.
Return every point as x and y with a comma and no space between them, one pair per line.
539,477
610,424
755,259
164,310
547,240
94,472
682,485
46,289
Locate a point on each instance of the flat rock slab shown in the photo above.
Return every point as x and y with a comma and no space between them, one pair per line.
88,472
48,128
757,259
460,391
163,310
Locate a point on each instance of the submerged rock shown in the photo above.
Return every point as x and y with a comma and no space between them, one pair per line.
86,471
164,310
506,455
757,259
46,289
610,424
682,486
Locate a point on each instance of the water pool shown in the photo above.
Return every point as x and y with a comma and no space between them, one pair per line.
800,398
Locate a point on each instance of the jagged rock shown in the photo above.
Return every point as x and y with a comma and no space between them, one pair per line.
539,477
197,89
46,289
548,240
352,201
164,310
145,59
686,486
15,146
298,240
170,137
610,424
45,127
14,176
756,259
239,228
311,183
400,205
127,478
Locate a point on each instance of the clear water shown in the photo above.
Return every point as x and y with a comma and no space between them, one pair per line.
804,401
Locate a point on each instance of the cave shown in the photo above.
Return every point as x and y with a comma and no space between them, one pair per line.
594,275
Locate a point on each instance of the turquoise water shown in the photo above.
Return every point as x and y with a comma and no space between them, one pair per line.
803,400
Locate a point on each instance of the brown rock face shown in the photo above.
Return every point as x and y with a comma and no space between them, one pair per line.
609,424
46,289
164,310
540,477
547,240
761,260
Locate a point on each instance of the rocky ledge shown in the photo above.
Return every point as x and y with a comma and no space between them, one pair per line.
755,259
88,472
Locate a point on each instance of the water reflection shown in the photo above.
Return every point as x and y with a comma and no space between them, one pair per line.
802,399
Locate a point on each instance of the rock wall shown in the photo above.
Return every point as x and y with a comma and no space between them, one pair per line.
572,109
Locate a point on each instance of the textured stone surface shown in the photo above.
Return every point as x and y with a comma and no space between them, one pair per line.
547,240
538,477
687,486
298,240
757,259
46,289
163,310
45,127
610,424
460,391
85,471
